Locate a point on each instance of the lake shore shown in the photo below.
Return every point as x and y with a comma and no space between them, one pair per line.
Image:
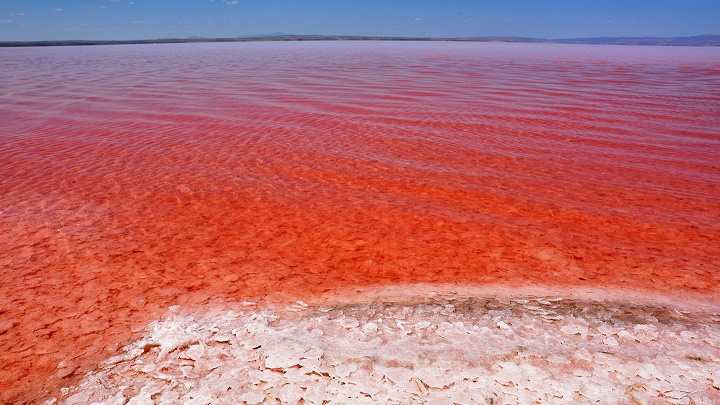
399,345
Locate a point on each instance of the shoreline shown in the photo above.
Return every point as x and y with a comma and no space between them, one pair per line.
685,300
388,346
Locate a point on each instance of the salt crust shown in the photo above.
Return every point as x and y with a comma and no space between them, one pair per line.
431,350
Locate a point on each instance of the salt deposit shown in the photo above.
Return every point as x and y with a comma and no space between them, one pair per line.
430,350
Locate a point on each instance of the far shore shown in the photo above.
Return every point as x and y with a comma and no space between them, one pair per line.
700,40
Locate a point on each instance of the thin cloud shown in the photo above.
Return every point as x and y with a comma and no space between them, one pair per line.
59,9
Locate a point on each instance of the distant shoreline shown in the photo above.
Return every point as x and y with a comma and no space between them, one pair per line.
700,40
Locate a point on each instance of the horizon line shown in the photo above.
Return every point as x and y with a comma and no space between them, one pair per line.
690,40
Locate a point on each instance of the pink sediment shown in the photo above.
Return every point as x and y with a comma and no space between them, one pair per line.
106,295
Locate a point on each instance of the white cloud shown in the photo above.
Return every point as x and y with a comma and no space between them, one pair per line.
59,9
230,3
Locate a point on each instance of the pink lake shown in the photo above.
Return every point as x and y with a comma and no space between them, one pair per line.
137,178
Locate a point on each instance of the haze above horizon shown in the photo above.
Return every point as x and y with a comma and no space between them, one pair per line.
46,20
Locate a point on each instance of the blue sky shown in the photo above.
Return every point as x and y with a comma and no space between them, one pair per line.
29,20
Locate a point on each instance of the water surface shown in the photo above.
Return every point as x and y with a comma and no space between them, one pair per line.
134,178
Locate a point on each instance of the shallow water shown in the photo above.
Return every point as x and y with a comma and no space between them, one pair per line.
135,178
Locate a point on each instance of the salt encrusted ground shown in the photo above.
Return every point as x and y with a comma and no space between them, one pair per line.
431,350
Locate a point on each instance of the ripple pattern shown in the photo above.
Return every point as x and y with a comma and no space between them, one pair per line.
134,178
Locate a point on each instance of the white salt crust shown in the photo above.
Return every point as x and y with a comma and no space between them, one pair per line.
432,350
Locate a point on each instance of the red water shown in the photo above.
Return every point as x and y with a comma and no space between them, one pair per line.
133,178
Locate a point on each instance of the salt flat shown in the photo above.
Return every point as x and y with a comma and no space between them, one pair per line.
431,349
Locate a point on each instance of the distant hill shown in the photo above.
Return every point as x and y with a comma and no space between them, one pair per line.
274,34
699,40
